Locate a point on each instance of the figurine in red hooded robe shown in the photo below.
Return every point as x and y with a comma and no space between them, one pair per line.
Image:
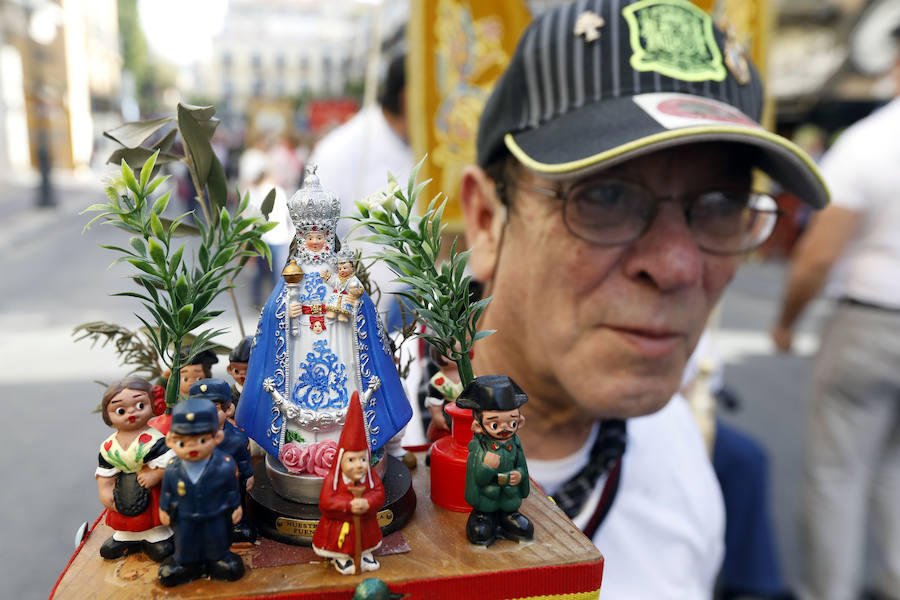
351,496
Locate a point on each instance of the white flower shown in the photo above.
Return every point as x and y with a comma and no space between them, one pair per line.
381,200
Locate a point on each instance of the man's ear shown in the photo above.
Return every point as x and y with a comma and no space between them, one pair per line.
484,216
170,440
220,435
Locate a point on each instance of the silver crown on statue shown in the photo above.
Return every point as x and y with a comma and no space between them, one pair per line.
346,254
314,209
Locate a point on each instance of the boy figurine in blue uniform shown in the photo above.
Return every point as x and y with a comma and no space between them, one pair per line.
236,443
496,472
200,498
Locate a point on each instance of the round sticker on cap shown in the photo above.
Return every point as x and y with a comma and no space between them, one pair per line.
674,38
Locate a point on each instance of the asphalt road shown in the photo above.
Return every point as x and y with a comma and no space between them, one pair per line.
54,277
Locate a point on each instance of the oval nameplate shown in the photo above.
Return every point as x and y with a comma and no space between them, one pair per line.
295,527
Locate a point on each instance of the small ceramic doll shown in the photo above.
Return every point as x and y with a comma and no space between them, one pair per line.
351,497
345,287
237,367
496,472
235,443
200,498
131,465
199,367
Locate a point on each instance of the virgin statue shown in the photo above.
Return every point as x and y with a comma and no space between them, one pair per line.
305,362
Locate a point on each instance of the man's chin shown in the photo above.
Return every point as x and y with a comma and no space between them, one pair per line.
632,400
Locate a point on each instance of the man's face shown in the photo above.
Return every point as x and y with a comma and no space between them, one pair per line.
193,447
608,330
500,424
354,464
190,374
238,371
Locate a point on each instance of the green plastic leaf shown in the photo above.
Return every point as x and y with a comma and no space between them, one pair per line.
161,203
147,169
184,315
182,289
199,113
137,156
144,265
138,244
268,204
158,181
203,257
175,259
132,134
165,144
156,226
157,253
181,229
196,142
128,178
217,184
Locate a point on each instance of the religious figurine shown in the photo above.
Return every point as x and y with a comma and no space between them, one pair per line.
496,472
237,367
345,287
303,371
131,465
200,498
351,497
235,443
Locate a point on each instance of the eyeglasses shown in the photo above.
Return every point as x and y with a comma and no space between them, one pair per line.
611,212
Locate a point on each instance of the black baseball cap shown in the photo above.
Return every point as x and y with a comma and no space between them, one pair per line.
598,82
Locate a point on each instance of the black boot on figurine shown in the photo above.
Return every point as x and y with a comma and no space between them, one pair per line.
172,573
481,528
112,548
228,568
515,526
159,551
243,532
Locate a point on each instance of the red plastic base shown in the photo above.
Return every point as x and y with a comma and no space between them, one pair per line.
448,462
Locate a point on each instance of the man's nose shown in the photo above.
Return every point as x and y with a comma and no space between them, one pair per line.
666,255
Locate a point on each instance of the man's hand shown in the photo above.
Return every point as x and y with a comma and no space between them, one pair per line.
250,481
515,477
782,337
492,460
164,517
236,515
295,309
359,506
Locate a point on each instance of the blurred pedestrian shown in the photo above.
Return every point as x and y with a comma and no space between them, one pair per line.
853,446
354,159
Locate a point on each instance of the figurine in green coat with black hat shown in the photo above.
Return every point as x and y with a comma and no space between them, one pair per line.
496,472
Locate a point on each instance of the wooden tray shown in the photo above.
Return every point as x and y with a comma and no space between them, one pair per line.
440,564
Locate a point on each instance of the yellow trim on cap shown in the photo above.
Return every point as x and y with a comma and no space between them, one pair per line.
577,165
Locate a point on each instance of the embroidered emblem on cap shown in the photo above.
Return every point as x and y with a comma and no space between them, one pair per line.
588,24
674,38
189,416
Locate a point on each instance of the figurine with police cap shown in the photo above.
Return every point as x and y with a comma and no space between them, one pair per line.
235,443
200,498
496,472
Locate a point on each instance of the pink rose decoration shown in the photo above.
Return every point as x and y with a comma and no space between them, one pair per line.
294,457
322,457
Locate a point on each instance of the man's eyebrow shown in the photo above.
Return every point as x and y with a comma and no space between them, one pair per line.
492,418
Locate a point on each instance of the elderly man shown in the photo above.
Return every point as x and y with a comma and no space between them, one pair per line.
610,207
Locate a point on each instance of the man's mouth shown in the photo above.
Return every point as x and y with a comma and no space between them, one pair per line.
649,341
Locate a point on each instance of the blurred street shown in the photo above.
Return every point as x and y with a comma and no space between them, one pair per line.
56,277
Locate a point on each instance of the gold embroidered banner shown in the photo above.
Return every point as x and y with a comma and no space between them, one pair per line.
457,50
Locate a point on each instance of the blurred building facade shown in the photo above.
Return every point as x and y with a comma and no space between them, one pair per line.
59,60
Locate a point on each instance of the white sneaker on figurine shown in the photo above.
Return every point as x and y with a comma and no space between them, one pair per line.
369,563
344,567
